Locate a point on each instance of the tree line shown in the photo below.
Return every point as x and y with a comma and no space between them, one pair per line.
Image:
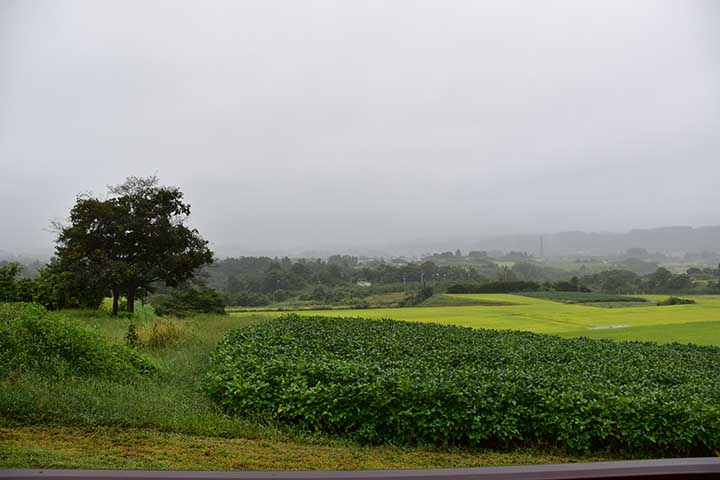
135,241
254,281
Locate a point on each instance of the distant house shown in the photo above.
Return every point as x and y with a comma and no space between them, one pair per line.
363,283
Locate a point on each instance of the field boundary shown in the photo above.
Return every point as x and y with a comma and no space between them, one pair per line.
665,469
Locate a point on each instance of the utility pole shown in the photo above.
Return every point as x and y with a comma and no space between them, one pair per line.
542,253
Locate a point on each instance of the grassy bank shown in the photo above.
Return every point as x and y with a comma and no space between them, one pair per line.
166,421
113,448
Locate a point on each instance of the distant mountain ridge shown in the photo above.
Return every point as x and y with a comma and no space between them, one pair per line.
674,240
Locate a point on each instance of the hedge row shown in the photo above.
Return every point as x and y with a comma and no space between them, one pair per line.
494,287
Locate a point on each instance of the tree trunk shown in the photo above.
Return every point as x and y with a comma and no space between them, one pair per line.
116,301
131,300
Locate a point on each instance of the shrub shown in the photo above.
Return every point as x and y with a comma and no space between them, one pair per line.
508,286
415,383
675,301
132,339
245,299
583,297
418,297
29,340
182,303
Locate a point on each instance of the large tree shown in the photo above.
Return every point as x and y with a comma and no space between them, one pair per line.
135,237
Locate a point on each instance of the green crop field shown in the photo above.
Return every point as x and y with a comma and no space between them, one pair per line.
412,383
698,323
72,396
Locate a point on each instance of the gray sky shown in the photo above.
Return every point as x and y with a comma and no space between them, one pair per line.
296,125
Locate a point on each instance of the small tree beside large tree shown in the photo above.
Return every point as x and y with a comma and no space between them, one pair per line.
132,239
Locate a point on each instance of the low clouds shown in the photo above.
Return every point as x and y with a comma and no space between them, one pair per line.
301,125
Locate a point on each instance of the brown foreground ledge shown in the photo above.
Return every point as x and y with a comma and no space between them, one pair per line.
663,469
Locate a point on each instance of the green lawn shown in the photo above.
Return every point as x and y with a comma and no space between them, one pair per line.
698,323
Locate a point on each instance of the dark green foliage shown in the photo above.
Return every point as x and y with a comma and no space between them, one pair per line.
573,285
533,272
582,297
280,295
26,290
57,288
415,383
443,300
420,296
243,279
636,265
622,281
131,240
29,340
8,282
676,301
132,339
612,281
244,299
190,301
52,287
424,293
509,286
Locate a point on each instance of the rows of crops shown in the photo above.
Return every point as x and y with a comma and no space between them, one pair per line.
582,297
413,383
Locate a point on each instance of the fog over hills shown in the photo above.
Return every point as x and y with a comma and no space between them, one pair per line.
386,127
672,240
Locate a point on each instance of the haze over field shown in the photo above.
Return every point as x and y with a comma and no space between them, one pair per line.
296,126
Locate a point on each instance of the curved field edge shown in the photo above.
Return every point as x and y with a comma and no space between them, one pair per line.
135,449
384,381
571,320
456,300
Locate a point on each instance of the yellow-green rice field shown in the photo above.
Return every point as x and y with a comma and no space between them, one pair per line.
698,323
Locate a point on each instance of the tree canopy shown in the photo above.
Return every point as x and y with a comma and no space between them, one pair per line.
132,239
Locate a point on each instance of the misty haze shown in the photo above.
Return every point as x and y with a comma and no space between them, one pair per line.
301,235
328,126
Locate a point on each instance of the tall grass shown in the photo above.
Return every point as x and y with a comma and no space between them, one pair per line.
172,400
32,341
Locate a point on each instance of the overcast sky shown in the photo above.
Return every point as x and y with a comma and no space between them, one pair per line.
297,125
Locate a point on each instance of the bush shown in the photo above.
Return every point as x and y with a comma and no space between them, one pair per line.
583,297
675,301
418,297
29,340
183,303
280,295
132,339
417,383
508,286
246,299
